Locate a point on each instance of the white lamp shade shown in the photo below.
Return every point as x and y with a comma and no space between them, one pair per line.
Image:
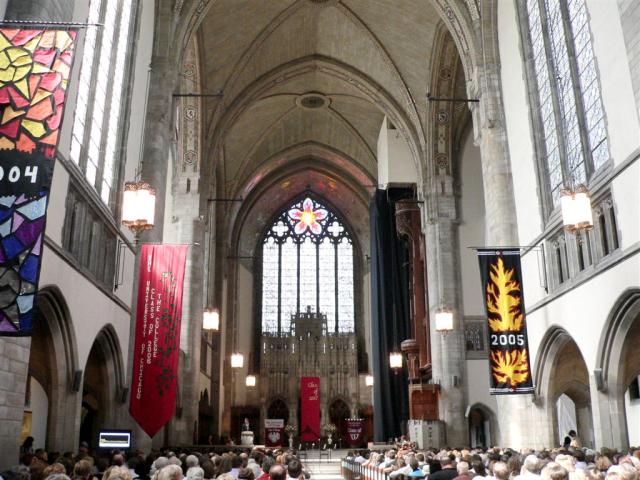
583,215
250,381
576,209
138,205
237,360
211,319
444,321
368,380
395,360
568,208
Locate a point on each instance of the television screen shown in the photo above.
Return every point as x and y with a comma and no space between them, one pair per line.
114,439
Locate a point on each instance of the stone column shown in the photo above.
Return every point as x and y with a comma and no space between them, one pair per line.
443,278
158,132
516,413
14,366
608,416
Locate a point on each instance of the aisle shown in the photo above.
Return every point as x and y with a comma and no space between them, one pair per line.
323,468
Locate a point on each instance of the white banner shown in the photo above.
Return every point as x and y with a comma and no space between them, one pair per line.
274,423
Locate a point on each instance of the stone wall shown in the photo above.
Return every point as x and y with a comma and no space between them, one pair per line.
45,10
630,17
14,366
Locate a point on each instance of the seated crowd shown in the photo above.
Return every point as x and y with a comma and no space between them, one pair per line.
566,463
257,464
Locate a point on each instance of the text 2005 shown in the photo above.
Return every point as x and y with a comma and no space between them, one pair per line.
507,340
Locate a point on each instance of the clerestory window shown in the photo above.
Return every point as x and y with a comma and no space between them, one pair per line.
570,117
98,115
307,262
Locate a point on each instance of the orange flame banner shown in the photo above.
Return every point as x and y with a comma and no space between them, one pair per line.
504,303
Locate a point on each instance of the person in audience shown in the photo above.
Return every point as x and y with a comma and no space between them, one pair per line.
267,463
209,469
277,472
58,476
603,463
195,473
501,471
27,446
463,471
170,472
253,463
53,469
416,468
447,470
554,471
236,465
530,468
294,470
398,468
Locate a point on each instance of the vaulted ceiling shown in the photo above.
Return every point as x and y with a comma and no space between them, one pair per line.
300,77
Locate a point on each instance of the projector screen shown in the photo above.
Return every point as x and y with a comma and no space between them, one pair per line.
114,439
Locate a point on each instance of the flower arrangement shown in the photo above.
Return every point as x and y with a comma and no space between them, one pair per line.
290,429
330,429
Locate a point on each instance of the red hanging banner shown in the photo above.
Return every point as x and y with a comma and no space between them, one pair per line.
355,431
157,344
310,409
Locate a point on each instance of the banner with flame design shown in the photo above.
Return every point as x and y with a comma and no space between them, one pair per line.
504,303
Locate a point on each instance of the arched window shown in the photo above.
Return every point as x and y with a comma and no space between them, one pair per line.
307,263
570,117
101,91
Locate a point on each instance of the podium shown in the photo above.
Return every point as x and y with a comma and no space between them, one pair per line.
246,439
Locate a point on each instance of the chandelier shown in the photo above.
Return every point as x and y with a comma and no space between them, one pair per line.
138,207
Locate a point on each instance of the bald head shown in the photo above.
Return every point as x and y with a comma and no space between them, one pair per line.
277,472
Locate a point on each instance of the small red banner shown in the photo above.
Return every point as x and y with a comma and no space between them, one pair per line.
157,344
273,432
310,405
355,431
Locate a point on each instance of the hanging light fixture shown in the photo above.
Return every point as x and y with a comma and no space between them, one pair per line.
237,360
368,380
444,320
250,381
395,360
211,319
575,205
138,207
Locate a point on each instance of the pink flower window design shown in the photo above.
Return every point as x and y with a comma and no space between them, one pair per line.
308,218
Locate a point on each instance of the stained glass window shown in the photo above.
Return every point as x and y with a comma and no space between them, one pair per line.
100,93
307,262
570,105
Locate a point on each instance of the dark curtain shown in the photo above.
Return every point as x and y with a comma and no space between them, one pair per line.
390,323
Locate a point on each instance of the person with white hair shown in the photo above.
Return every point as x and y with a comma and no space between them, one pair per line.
195,473
192,461
530,468
171,472
158,465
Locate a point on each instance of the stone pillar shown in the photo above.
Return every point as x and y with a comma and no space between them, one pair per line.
14,366
516,413
448,352
158,132
608,416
